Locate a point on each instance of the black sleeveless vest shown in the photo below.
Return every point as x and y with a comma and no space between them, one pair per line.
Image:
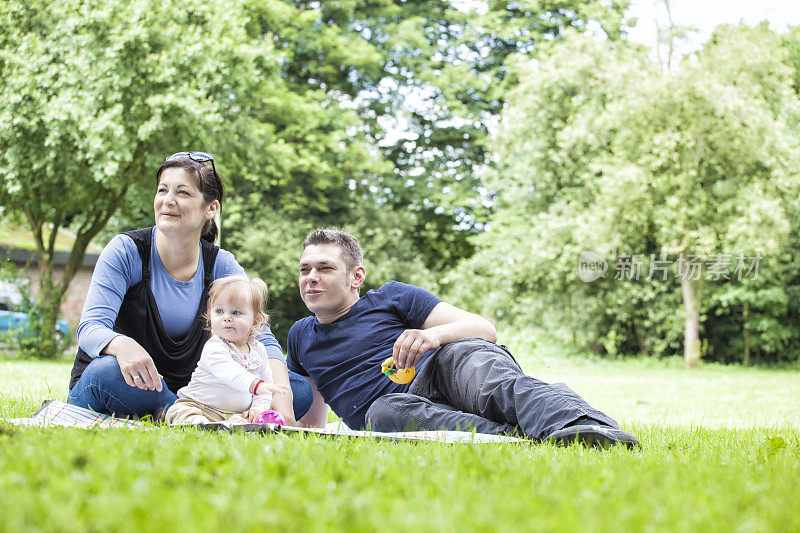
140,320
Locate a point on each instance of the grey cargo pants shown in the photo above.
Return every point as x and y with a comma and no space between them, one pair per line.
476,384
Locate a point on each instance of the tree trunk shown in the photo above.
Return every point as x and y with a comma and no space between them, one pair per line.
46,344
53,289
746,318
691,304
571,320
641,338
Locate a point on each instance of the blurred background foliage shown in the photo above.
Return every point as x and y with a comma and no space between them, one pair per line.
475,148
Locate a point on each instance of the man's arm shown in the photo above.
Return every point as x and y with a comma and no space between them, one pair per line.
446,323
282,402
317,415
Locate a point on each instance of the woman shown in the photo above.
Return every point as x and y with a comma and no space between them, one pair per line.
141,331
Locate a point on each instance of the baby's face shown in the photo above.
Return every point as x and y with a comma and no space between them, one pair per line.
232,320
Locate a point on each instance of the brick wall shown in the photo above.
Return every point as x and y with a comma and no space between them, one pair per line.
72,306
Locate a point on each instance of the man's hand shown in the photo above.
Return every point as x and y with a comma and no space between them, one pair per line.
412,344
282,400
282,404
445,324
271,388
262,388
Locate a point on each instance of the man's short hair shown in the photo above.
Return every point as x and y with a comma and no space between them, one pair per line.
351,249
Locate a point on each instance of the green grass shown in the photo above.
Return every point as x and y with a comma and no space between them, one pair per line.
663,392
721,452
14,236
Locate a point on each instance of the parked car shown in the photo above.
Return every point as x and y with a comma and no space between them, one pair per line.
13,319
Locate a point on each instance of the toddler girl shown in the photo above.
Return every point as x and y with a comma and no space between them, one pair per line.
232,381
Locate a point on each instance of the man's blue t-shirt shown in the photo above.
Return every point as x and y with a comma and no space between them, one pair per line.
344,357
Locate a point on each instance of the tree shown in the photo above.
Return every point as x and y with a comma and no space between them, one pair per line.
428,80
716,142
358,74
295,96
600,152
546,181
95,95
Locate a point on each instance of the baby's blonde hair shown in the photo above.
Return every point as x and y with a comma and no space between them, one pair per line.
243,288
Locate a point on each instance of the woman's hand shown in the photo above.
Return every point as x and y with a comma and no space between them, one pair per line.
136,365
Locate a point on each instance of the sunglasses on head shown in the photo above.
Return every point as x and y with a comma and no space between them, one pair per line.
200,157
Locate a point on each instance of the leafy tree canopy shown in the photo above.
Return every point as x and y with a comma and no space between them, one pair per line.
599,151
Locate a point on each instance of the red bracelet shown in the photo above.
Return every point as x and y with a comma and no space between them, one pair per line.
255,389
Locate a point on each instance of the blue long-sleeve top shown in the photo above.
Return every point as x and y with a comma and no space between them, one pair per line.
119,268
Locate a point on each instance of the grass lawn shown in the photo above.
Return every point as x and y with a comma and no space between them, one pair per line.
721,452
14,236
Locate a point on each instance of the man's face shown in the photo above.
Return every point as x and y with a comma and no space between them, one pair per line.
325,282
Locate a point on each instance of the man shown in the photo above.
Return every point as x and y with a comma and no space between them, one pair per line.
463,380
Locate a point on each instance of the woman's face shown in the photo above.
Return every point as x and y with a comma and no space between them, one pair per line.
179,205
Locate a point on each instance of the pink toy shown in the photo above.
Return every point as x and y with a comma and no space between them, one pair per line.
270,417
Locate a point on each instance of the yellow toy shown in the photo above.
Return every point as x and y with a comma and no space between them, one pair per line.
402,376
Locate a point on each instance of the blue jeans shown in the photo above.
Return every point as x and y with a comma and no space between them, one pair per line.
476,384
102,389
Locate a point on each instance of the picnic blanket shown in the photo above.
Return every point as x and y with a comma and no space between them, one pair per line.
56,413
